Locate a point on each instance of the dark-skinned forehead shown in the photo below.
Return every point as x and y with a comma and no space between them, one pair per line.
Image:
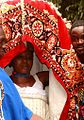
1,32
77,23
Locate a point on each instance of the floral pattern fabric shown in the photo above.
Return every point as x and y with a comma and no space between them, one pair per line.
38,22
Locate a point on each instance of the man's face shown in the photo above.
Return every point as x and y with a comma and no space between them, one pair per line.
77,36
2,36
2,40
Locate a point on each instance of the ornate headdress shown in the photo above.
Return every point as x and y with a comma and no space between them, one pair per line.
37,21
12,45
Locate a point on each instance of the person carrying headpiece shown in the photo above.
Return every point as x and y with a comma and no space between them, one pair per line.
11,105
39,23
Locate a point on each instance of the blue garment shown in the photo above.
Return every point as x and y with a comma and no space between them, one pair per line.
12,105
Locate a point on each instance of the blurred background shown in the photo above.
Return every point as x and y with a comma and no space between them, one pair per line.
70,9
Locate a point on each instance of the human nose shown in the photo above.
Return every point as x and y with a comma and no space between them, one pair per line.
25,59
80,41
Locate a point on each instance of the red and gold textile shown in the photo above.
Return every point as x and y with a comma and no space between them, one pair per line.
38,22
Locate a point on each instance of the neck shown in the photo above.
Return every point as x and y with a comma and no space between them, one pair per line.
20,75
22,80
81,58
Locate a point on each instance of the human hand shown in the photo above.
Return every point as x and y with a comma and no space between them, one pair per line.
36,117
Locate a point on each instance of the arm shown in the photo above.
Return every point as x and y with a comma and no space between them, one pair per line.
44,77
35,117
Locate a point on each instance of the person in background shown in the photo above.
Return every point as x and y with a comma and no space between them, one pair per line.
11,105
77,38
31,88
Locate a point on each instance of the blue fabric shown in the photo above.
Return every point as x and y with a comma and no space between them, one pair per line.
12,105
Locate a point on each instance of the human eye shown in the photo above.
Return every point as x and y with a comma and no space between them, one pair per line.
2,40
74,38
82,37
29,58
19,56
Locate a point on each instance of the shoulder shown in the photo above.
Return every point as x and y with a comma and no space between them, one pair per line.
44,77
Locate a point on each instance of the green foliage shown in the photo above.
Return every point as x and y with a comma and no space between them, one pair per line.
70,9
75,11
56,2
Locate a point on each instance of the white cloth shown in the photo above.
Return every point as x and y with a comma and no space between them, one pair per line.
35,98
57,97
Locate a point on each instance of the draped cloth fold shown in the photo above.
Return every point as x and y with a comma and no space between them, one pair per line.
9,103
38,22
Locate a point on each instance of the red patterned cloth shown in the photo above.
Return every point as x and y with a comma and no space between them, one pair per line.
38,22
